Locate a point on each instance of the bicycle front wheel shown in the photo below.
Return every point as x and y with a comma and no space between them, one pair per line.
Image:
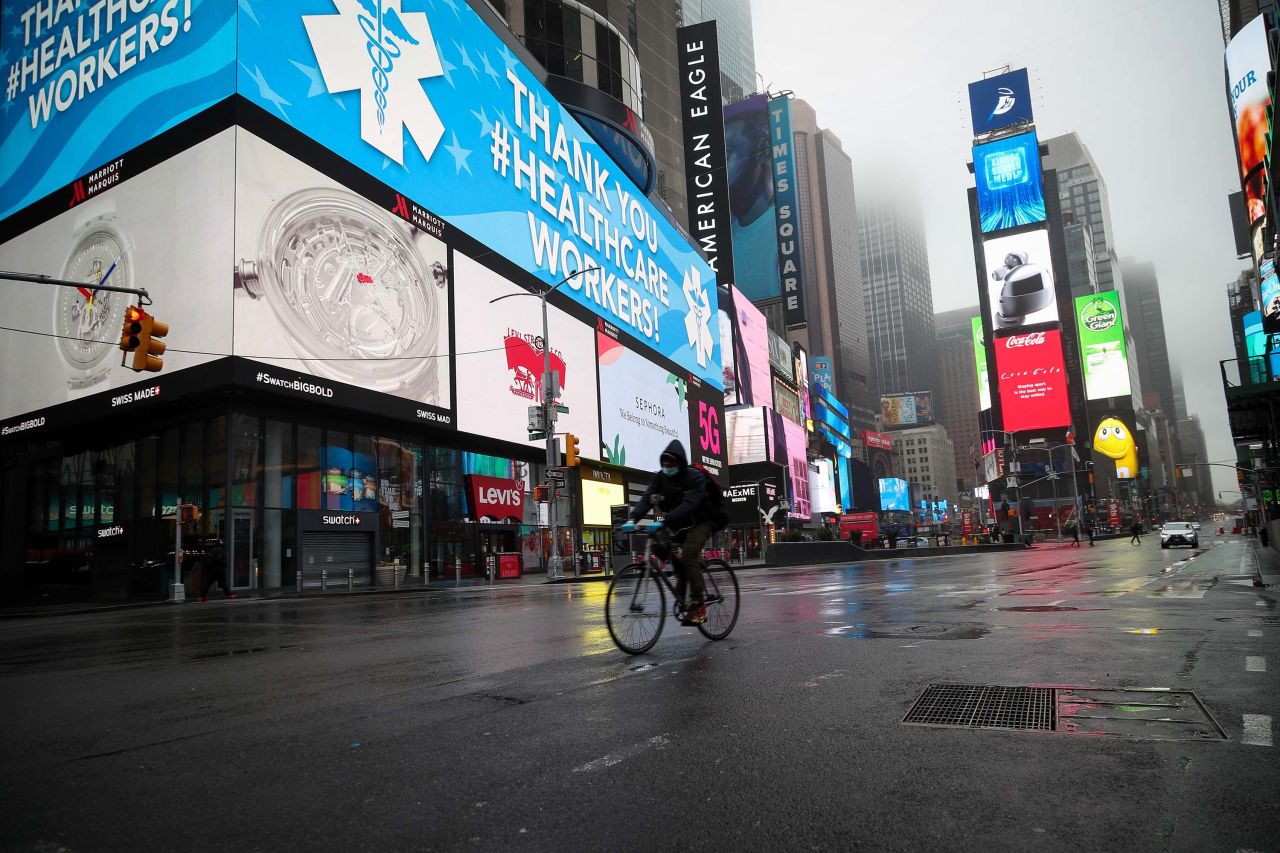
721,600
635,609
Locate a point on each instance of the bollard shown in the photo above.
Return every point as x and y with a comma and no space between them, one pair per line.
298,579
351,579
324,580
395,574
457,570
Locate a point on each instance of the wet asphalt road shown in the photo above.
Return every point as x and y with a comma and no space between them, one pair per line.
504,718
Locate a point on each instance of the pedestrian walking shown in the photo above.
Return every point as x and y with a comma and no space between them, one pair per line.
1075,535
1089,530
1136,530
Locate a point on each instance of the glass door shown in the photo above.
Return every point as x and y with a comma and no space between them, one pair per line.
242,549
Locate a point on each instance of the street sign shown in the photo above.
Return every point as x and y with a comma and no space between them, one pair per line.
1012,482
1053,475
537,436
564,410
556,476
784,505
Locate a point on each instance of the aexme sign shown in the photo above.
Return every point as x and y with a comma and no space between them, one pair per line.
787,212
704,156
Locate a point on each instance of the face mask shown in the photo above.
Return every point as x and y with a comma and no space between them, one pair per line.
670,472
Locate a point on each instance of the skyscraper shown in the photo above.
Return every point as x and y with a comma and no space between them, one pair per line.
956,398
1146,324
1083,194
737,44
898,297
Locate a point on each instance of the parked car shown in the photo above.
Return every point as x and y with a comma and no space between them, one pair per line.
1179,533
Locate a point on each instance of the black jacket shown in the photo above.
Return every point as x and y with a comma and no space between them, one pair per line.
684,495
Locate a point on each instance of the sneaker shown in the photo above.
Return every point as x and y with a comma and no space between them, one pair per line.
232,595
697,615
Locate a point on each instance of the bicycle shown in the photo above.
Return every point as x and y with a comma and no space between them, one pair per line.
636,604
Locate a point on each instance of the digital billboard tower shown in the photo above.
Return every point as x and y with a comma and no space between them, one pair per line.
1024,333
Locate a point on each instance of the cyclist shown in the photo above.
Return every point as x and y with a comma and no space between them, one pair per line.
684,489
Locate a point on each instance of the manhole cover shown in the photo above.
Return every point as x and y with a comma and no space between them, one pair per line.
979,707
1150,714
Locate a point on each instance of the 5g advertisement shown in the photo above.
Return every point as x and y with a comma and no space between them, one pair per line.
135,234
438,108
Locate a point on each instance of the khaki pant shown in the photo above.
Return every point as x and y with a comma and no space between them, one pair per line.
689,565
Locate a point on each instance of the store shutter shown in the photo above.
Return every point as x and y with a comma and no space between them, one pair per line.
335,552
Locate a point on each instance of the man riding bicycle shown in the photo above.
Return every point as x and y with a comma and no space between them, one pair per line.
685,490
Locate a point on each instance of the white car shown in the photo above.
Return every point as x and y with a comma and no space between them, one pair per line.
1179,533
1195,525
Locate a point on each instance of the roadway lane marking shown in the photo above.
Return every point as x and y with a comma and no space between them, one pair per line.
1255,663
1255,633
656,742
1257,730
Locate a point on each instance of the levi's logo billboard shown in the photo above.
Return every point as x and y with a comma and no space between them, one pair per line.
1032,383
495,497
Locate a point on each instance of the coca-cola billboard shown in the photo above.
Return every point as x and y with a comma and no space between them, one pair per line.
1032,381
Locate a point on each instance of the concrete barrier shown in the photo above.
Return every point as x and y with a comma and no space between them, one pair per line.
817,553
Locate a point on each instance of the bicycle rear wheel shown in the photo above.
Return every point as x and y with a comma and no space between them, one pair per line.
635,609
721,600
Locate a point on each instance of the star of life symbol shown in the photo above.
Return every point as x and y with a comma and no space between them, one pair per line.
697,323
372,46
1005,102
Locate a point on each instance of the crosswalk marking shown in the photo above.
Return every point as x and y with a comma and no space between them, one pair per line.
1257,730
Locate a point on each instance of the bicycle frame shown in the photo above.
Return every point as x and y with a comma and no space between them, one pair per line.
652,564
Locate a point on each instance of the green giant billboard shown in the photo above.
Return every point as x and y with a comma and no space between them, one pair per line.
980,360
1101,330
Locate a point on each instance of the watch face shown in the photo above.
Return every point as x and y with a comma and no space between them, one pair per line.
348,282
92,319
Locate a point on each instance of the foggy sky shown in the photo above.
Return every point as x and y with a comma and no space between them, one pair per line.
1141,82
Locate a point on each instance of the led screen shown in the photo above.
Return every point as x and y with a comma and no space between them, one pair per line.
1007,172
1248,60
1032,382
500,360
643,406
822,488
489,150
334,285
1000,101
748,437
1020,280
980,364
598,498
1255,341
792,441
139,233
90,81
907,410
755,380
894,494
1270,291
751,198
1116,443
1100,327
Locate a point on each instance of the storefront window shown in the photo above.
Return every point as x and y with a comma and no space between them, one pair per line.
308,471
277,486
168,471
193,464
246,459
337,470
147,464
215,463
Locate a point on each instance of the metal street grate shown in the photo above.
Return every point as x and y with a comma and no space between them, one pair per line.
984,707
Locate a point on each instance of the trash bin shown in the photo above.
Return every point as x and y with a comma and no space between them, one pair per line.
1028,538
1006,538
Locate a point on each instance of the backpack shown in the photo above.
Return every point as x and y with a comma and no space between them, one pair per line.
715,500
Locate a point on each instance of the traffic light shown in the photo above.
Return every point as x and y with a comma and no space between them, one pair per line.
188,513
540,494
132,329
146,355
571,450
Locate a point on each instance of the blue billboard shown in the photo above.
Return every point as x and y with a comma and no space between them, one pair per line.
426,98
894,494
1010,192
1000,101
87,82
822,373
787,213
749,167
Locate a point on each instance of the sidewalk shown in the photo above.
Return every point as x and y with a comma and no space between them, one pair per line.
1266,564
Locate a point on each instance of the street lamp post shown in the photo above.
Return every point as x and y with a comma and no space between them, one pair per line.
549,385
1057,515
1013,463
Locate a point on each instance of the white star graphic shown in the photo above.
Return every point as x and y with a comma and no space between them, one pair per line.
466,59
697,323
445,67
265,91
486,126
393,100
488,69
460,155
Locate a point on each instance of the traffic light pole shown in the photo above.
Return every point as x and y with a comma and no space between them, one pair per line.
144,298
554,561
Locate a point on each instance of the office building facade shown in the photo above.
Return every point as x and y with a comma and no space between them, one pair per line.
926,459
956,398
737,42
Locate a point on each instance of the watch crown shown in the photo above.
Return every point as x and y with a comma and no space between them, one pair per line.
247,279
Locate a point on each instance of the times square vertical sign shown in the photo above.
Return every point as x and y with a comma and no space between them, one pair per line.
787,212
